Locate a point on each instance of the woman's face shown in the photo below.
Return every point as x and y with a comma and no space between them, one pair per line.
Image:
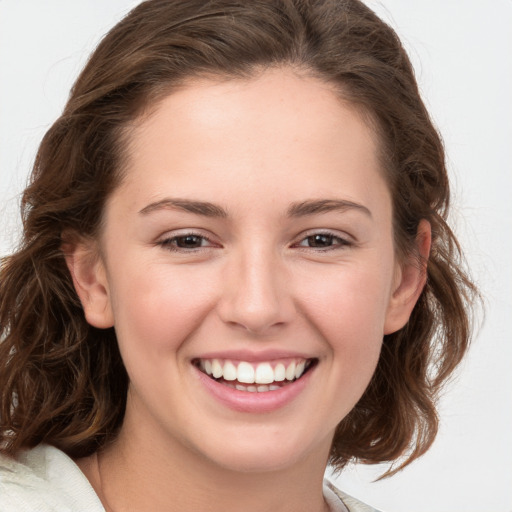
251,240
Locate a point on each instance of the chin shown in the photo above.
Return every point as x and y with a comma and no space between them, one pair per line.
263,461
268,454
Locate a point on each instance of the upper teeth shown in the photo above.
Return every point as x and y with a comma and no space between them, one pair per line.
249,373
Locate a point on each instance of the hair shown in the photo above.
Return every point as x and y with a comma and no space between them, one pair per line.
62,381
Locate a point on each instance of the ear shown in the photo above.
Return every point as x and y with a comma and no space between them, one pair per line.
90,280
410,281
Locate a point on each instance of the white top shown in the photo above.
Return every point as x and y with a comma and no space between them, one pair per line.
45,479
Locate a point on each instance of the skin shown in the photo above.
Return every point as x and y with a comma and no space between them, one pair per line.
257,282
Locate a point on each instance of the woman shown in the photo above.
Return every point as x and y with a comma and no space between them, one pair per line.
235,269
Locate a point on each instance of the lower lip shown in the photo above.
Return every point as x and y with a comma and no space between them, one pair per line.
246,401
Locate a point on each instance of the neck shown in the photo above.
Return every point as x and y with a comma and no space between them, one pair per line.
137,474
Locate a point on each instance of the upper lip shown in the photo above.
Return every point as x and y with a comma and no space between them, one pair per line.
252,356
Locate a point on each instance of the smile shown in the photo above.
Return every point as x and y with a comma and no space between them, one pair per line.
255,377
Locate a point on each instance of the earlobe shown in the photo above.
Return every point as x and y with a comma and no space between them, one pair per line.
411,279
89,279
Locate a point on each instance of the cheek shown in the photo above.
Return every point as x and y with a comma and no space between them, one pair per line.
349,313
348,306
353,298
156,309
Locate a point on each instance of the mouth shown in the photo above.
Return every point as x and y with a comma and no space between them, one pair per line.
255,377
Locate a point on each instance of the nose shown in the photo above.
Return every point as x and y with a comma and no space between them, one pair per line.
256,293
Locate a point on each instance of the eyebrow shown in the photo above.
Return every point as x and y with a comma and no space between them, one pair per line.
198,207
299,209
313,207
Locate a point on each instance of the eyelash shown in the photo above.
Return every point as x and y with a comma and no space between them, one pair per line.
340,241
171,243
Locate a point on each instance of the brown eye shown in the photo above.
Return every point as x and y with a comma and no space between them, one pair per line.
188,241
323,241
320,240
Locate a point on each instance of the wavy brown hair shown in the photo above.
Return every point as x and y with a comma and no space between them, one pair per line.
62,381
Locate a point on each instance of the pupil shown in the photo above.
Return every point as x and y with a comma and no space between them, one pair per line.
320,240
189,241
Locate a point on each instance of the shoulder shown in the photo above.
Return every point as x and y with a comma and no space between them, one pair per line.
340,501
44,479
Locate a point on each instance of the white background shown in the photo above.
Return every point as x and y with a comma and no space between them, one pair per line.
462,52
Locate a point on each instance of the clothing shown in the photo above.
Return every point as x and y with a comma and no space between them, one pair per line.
45,479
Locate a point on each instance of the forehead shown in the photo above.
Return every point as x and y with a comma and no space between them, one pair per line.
283,97
290,131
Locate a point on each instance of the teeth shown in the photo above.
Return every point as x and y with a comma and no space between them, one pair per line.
216,369
290,371
229,371
262,388
299,370
279,372
245,373
264,374
252,373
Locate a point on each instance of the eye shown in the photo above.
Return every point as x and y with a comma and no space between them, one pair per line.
186,242
323,241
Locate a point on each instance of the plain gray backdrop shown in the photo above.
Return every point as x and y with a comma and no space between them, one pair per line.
462,52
